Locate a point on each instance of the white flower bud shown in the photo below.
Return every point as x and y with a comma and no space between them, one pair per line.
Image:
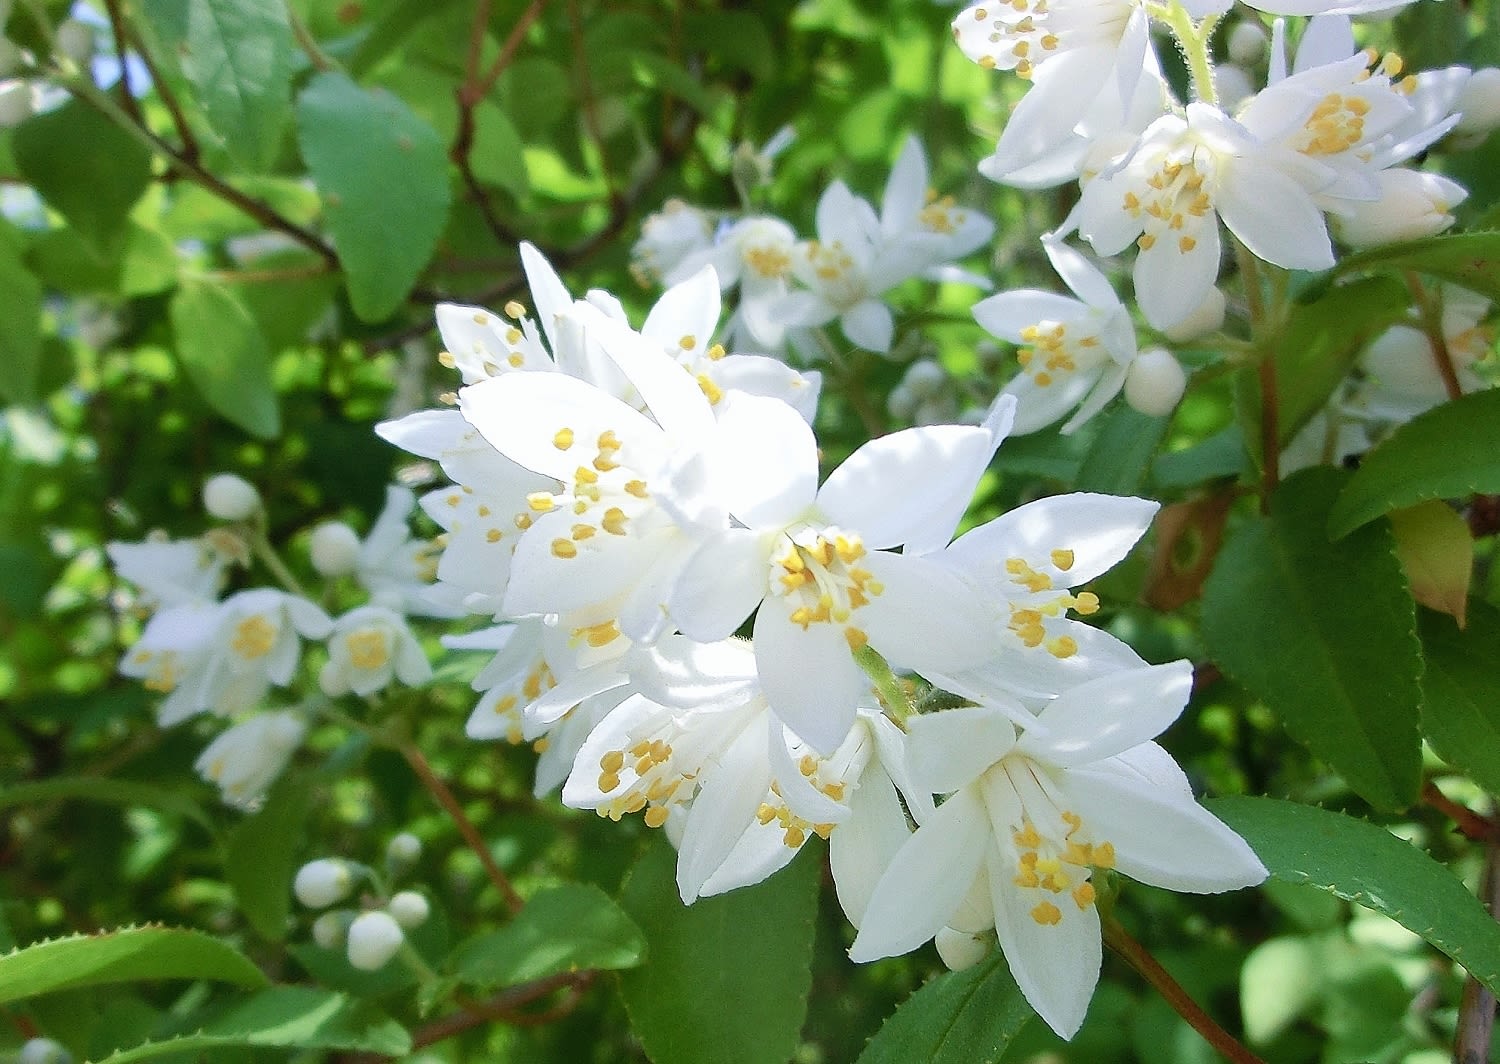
43,1051
1412,204
939,411
1247,43
322,882
230,498
901,404
17,102
1233,85
374,938
1155,382
10,57
328,930
924,379
403,849
409,909
959,949
76,40
334,548
246,759
1206,317
1479,102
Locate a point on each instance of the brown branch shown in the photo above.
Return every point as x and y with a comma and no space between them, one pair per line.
168,98
315,55
439,790
1432,326
1471,825
1476,1009
1135,955
117,28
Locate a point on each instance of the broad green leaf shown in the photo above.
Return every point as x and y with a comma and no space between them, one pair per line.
736,38
1221,455
1471,260
1461,692
86,167
1325,635
497,156
1450,452
564,929
225,356
238,56
391,29
1364,863
20,322
285,1017
727,978
261,856
1437,552
103,789
1280,982
966,1017
127,955
1123,447
383,174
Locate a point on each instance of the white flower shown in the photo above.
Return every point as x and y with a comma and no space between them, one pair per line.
1075,352
1480,102
1155,382
754,253
668,237
321,883
1412,204
374,938
1028,820
1401,373
397,569
172,572
923,224
368,647
409,909
244,760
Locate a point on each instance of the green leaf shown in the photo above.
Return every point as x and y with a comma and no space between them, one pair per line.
1437,551
1471,260
498,157
1117,462
564,929
1451,451
383,174
20,322
966,1017
225,356
104,789
728,977
86,167
238,55
1461,692
1364,863
261,856
1324,634
127,955
287,1017
1220,455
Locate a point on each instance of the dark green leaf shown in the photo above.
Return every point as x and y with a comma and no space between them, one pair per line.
262,856
1221,455
1362,862
127,955
1324,634
85,166
498,156
383,174
1461,691
104,789
225,356
1471,260
20,322
238,55
1123,446
727,978
564,929
966,1017
1450,452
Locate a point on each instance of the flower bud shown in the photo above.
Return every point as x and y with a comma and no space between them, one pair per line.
1155,382
901,404
16,103
75,40
403,850
937,411
1412,204
959,949
334,548
1479,102
409,909
1206,317
322,882
329,929
230,498
924,379
1232,84
374,938
43,1051
1247,43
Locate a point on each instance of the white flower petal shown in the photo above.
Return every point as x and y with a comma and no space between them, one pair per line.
949,750
870,325
724,808
1275,217
688,308
1106,716
861,848
766,460
547,291
673,397
926,617
1006,314
722,584
809,676
1100,530
1171,282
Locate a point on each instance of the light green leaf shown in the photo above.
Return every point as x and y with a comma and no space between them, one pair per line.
1123,447
261,856
564,929
1437,553
127,955
1281,981
1364,863
727,978
498,157
1461,692
225,356
104,789
966,1017
238,55
1471,260
287,1017
383,174
1452,451
20,322
1325,635
86,167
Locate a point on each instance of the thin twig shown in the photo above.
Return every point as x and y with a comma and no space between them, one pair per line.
1476,1009
117,28
320,59
1471,825
439,790
189,150
1136,955
1432,325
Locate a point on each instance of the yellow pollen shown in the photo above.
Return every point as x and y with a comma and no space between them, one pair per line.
1063,559
1104,855
614,521
563,548
1083,895
856,639
1027,838
523,521
1146,242
687,343
514,310
1047,914
713,392
656,816
493,535
1086,603
636,488
608,781
583,532
253,638
1186,244
563,440
612,761
1062,647
516,361
540,502
585,475
446,360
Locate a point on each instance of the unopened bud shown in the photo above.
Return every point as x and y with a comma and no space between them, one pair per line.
329,929
1154,382
1412,204
1247,43
924,378
409,909
43,1051
959,949
1232,84
1206,317
901,404
75,40
230,498
1479,102
17,103
334,548
322,882
374,938
403,849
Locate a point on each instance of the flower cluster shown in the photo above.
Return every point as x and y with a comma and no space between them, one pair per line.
374,934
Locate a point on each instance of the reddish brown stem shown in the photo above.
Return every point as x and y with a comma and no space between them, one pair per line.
1471,825
1476,1009
1431,313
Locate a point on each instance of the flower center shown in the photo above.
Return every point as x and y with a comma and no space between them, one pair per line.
644,776
767,260
162,671
836,274
1058,349
253,638
941,215
1013,35
1336,125
1173,202
817,573
369,648
1055,853
604,490
1034,605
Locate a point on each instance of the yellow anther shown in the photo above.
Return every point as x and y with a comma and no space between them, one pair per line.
493,535
1146,242
613,521
253,637
856,638
564,548
1027,838
446,360
1062,646
636,488
794,837
514,309
516,361
1086,603
687,343
711,390
1083,895
523,521
563,439
1047,914
540,746
583,532
1104,855
656,816
766,813
1063,559
1186,244
540,502
612,761
505,705
808,765
585,475
608,781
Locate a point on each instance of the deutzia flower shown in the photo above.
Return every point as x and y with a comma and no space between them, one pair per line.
171,572
1401,374
914,217
395,567
244,760
1074,353
369,647
672,234
754,253
1030,818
